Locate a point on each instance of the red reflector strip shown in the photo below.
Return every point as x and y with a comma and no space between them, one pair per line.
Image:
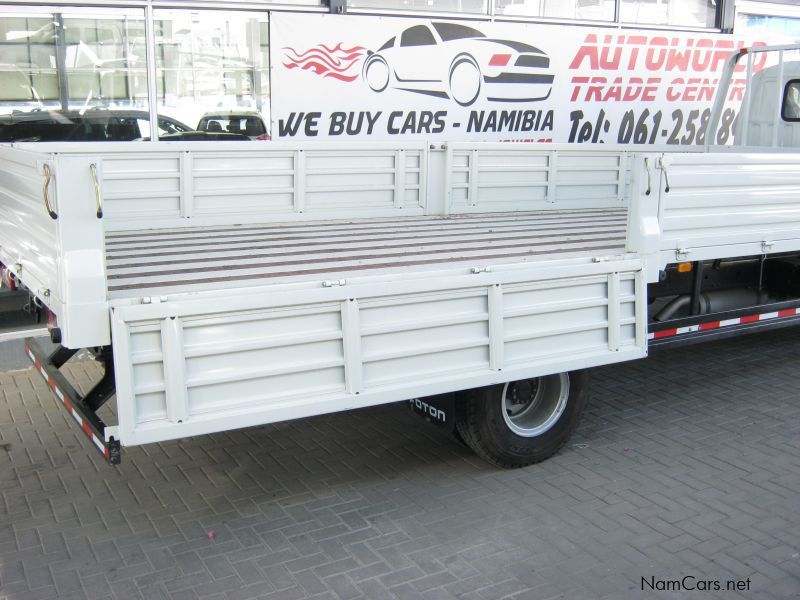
789,312
665,333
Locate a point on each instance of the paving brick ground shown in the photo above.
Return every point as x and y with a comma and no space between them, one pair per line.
687,463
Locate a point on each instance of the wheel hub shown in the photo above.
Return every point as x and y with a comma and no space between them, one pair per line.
532,406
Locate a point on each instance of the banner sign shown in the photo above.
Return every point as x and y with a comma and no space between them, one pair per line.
382,78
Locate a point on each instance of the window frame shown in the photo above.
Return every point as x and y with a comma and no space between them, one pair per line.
492,15
792,83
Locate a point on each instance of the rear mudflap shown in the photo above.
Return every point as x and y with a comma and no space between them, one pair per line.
439,410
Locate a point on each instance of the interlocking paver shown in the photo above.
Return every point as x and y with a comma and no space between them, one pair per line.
685,463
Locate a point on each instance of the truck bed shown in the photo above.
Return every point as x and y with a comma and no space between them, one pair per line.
257,283
152,262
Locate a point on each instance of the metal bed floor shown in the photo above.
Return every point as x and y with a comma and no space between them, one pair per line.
163,261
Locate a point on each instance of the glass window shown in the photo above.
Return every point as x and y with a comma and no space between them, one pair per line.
101,61
688,13
458,6
783,29
790,110
594,10
417,36
68,60
28,74
211,61
251,125
76,74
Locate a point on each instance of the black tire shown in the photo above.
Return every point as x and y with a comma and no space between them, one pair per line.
458,438
551,409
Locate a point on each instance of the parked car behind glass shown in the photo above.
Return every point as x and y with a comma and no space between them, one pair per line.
249,123
92,125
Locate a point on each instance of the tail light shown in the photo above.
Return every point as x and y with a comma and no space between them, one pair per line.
52,326
7,278
499,60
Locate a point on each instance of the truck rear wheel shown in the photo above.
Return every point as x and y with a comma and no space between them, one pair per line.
522,422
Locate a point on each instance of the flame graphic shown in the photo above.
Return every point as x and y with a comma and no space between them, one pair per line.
337,62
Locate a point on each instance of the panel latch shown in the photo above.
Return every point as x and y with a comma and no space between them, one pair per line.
334,283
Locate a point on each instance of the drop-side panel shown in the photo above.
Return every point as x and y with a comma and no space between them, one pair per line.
28,236
722,204
51,237
190,184
520,177
190,366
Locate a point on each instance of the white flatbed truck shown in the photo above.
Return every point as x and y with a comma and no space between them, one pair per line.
228,285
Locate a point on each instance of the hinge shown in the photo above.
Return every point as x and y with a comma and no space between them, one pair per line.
682,253
111,431
766,246
476,270
334,282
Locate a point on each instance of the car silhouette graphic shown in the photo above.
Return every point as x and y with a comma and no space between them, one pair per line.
448,60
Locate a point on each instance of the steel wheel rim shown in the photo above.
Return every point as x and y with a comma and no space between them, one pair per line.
532,406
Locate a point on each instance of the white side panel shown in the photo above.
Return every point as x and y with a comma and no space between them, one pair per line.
729,204
507,177
28,236
142,187
264,358
180,185
60,260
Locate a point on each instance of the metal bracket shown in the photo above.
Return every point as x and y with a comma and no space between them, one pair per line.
476,270
338,7
682,253
334,283
663,163
766,247
46,191
98,195
107,386
81,408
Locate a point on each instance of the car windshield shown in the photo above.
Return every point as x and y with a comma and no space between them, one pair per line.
171,126
451,31
251,126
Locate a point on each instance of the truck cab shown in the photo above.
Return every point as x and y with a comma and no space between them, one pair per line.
770,114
